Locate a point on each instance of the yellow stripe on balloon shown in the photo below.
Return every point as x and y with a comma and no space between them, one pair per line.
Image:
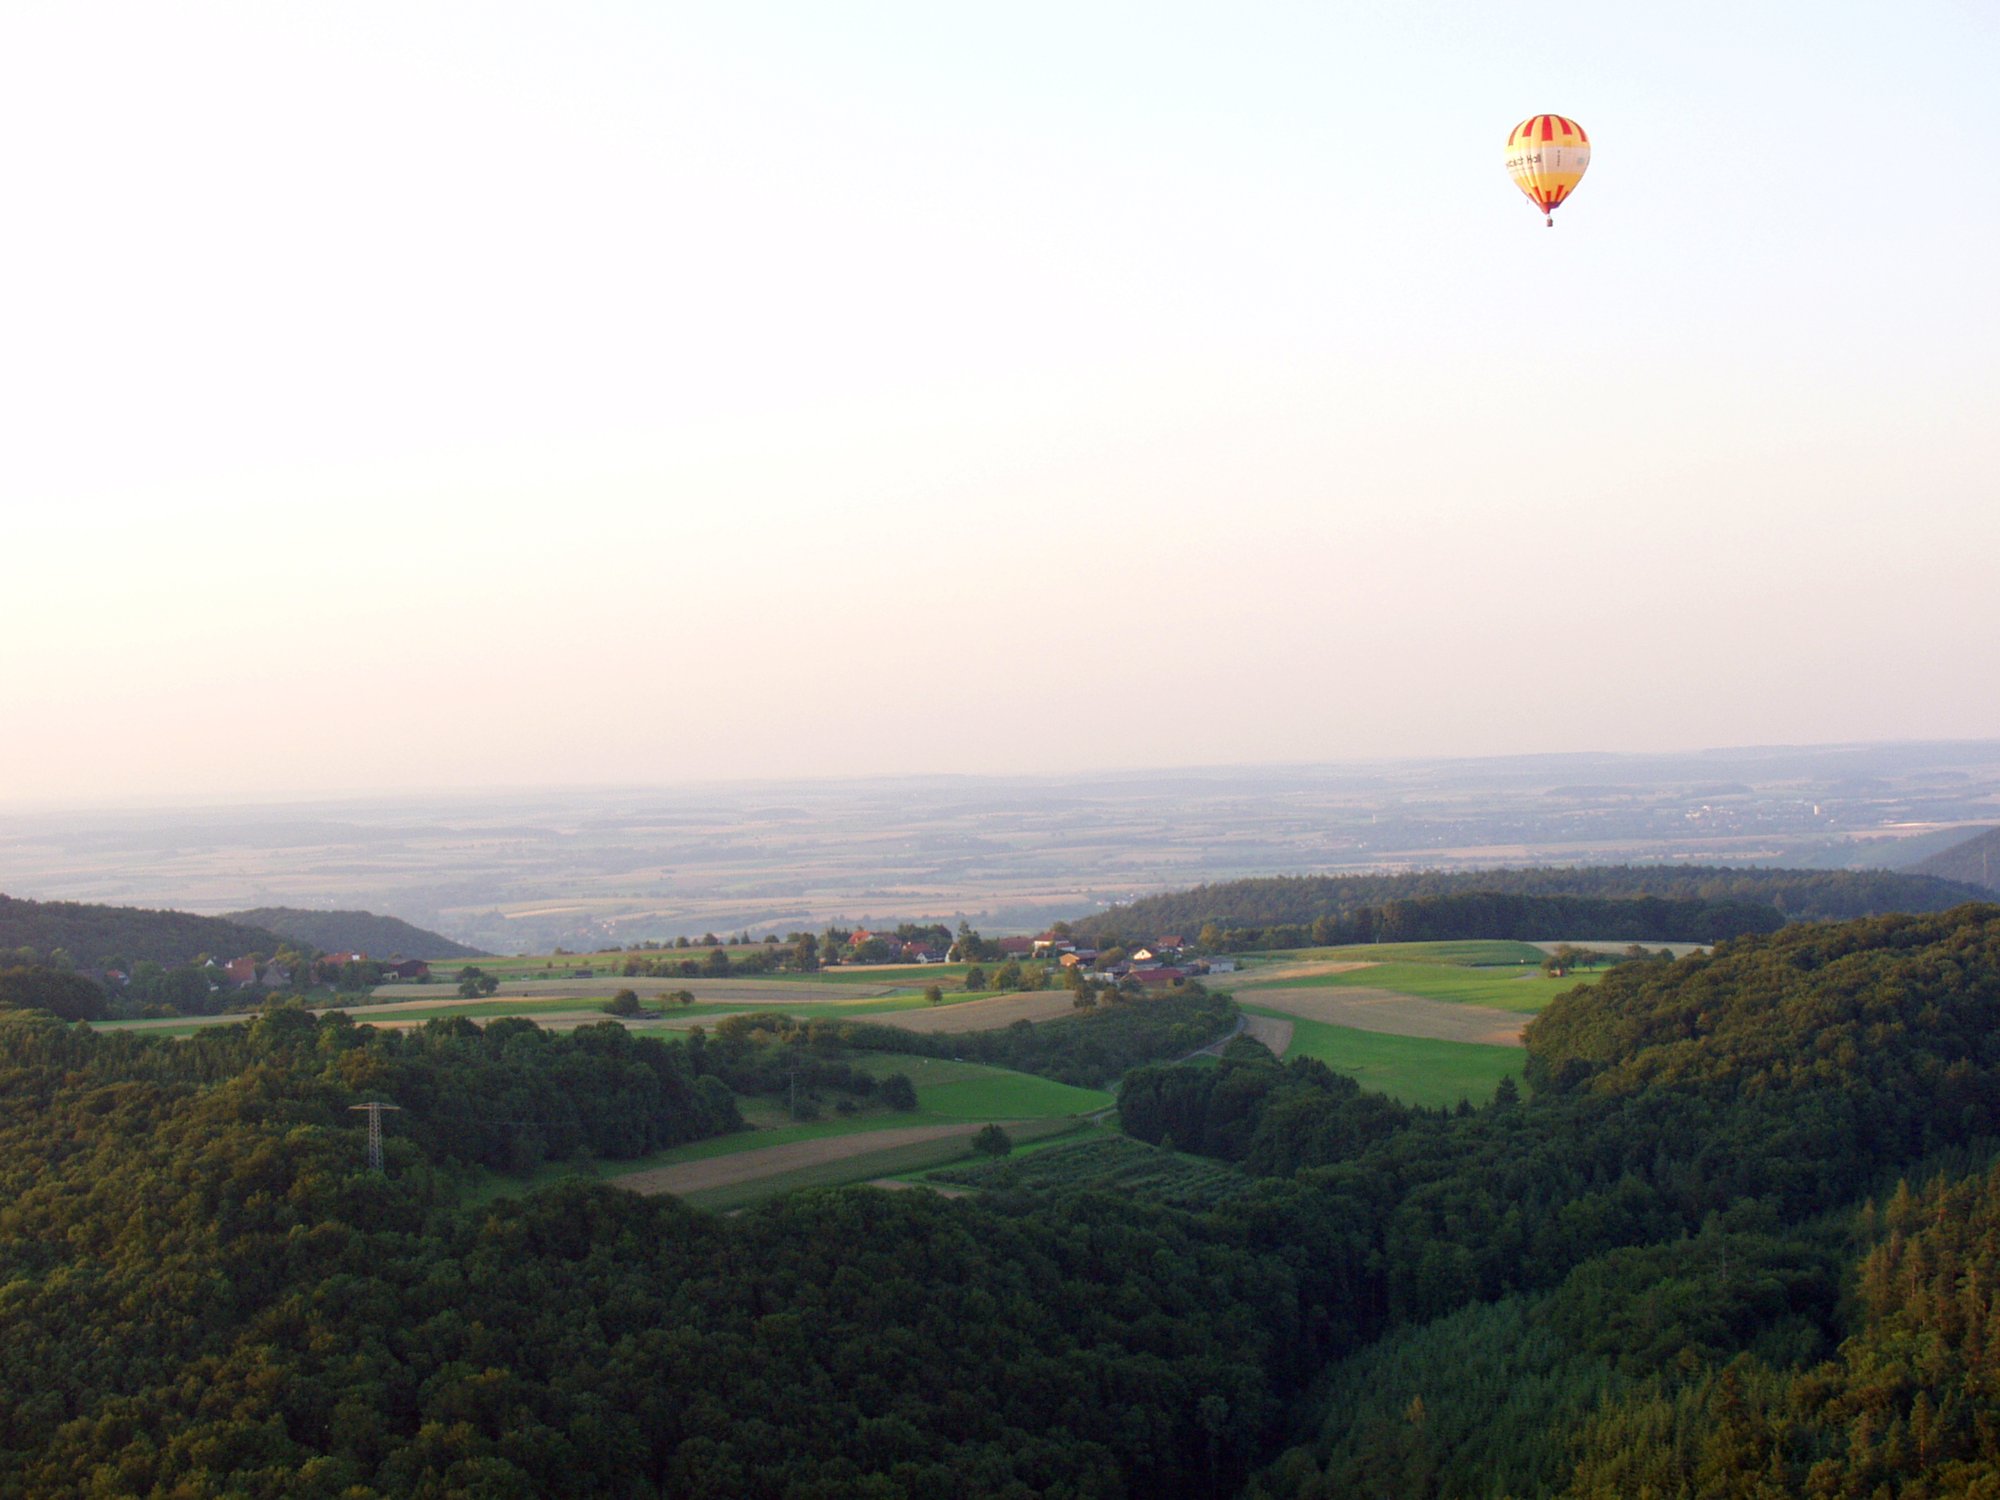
1547,156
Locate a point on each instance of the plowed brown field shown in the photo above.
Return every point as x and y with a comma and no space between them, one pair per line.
1273,1033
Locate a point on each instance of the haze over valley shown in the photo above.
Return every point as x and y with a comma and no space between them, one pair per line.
527,871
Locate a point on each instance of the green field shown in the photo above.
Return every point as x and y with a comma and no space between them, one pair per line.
1416,1070
948,1093
903,1162
1527,991
971,1091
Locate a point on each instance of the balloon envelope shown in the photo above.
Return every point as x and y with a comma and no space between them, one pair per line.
1547,156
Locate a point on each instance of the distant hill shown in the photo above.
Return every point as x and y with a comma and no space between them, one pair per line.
97,935
354,932
1301,900
1974,862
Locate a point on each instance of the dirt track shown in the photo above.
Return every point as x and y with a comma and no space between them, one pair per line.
980,1015
747,1166
1396,1014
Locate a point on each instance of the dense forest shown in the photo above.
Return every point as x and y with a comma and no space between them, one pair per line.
1677,1256
123,936
1300,901
1489,914
1088,1049
353,932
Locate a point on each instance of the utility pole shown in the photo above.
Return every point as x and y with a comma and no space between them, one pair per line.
374,1109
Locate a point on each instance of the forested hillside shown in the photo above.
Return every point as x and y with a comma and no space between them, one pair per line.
206,1293
96,936
1906,1407
1976,862
1339,902
1655,1263
353,932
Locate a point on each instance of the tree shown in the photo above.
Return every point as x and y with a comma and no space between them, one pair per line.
898,1092
992,1141
934,994
624,1003
1008,976
717,963
68,996
975,978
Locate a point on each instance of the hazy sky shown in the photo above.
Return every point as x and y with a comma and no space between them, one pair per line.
406,395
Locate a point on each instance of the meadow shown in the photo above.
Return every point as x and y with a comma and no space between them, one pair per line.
1463,952
953,1099
1415,1070
1515,989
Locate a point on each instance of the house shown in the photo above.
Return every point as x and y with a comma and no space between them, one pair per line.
1173,943
241,971
276,976
1049,941
1222,966
340,960
1142,955
1016,947
409,968
919,953
1165,974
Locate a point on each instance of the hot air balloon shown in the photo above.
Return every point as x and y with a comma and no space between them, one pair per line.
1547,156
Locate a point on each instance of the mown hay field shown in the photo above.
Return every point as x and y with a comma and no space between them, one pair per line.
1430,1071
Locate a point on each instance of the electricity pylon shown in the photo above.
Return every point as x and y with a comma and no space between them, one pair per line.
374,1108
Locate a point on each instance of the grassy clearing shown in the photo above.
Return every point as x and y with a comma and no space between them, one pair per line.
1416,1070
1502,988
898,1161
949,1090
948,1093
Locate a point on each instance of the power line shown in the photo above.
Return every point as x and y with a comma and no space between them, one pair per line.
374,1109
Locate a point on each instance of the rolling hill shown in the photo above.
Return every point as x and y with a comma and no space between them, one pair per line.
99,935
1974,862
353,931
1791,895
